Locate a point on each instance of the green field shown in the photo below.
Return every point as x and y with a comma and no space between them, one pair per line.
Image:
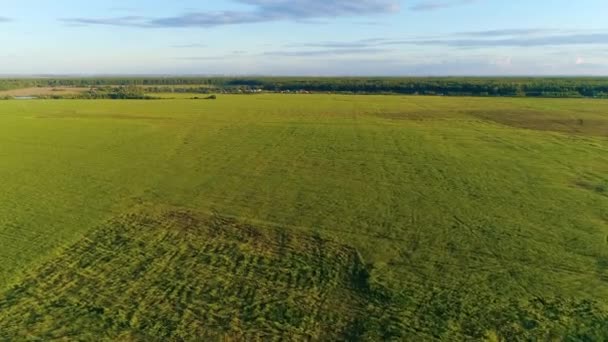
304,217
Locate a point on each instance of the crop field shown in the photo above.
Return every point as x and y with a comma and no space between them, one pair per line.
304,217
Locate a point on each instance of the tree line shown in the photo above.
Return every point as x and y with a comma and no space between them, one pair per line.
446,86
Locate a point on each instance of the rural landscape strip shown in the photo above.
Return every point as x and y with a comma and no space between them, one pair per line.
147,87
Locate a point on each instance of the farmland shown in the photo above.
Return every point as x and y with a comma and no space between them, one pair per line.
304,217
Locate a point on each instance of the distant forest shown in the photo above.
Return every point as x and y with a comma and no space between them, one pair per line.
444,86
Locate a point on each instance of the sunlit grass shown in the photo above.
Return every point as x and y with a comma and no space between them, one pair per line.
455,203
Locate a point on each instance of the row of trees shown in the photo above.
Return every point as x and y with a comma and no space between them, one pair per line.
534,87
116,93
449,86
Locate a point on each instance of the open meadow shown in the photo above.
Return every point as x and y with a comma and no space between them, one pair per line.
304,217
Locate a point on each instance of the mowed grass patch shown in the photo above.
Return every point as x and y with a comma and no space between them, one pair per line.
178,275
582,117
539,120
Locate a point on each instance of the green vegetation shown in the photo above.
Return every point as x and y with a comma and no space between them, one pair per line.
192,279
347,217
130,92
448,86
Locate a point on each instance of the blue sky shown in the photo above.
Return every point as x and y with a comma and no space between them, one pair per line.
305,37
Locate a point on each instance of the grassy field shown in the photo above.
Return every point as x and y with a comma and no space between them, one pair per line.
347,217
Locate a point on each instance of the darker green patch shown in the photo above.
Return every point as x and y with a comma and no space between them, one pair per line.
460,314
103,117
597,187
415,116
544,120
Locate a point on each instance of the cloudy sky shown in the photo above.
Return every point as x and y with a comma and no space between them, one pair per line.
305,37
